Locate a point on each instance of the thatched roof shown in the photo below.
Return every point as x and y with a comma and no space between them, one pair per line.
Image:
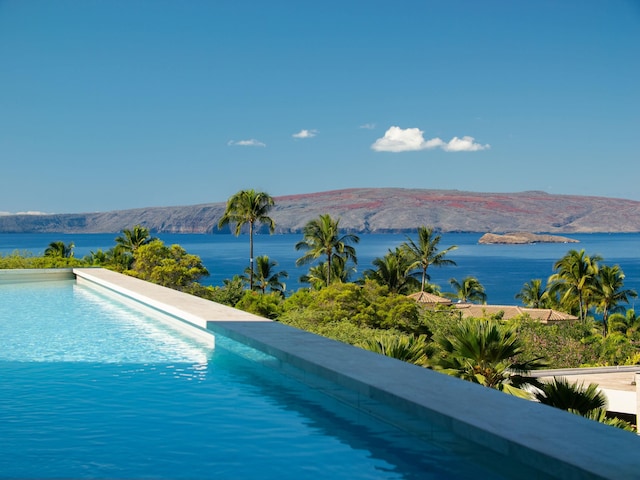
544,315
429,299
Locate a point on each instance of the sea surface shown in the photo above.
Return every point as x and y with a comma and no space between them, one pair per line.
501,269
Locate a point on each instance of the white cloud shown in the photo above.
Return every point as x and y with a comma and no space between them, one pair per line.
396,139
305,134
464,144
368,126
246,143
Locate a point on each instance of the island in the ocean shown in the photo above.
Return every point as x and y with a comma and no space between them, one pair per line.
520,238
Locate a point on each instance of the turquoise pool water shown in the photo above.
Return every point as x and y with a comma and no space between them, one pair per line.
90,388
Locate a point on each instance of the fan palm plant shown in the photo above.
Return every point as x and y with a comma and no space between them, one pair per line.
484,352
408,348
561,393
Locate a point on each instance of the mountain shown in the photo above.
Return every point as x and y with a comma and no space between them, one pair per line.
371,210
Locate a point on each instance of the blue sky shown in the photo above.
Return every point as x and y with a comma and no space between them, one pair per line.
112,104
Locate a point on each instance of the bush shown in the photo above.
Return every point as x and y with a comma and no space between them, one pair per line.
368,305
562,345
268,305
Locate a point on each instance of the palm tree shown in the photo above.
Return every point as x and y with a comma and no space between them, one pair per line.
132,239
533,294
248,207
266,277
624,323
425,253
574,397
469,290
609,292
588,402
483,351
59,250
574,278
408,348
322,238
392,271
317,275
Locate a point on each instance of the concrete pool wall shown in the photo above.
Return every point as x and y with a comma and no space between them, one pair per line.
555,442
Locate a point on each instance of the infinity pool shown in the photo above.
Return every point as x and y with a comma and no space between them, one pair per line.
91,388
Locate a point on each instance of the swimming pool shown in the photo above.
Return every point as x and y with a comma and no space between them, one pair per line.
94,389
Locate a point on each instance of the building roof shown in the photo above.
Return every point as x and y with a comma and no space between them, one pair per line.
544,315
429,299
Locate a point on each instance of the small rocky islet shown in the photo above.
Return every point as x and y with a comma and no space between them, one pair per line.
522,238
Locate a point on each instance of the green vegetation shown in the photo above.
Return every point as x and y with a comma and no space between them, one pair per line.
425,253
265,277
393,271
583,286
468,290
248,207
374,311
588,402
322,238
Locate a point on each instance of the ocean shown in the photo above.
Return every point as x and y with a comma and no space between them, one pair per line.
501,269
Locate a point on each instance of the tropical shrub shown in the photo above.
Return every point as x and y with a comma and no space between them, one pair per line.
408,348
485,352
586,401
562,345
268,305
368,305
229,293
170,266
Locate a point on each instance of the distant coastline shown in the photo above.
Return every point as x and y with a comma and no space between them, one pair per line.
370,210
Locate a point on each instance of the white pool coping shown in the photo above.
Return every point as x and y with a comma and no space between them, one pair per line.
558,443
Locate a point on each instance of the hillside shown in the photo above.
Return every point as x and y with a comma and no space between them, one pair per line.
374,210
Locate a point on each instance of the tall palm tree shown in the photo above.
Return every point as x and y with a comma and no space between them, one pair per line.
533,294
574,278
59,250
248,207
609,293
425,253
132,239
322,238
469,290
266,277
392,270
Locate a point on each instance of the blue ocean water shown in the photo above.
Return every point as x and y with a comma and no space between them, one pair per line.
502,269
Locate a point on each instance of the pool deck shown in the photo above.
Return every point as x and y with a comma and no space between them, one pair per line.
555,442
